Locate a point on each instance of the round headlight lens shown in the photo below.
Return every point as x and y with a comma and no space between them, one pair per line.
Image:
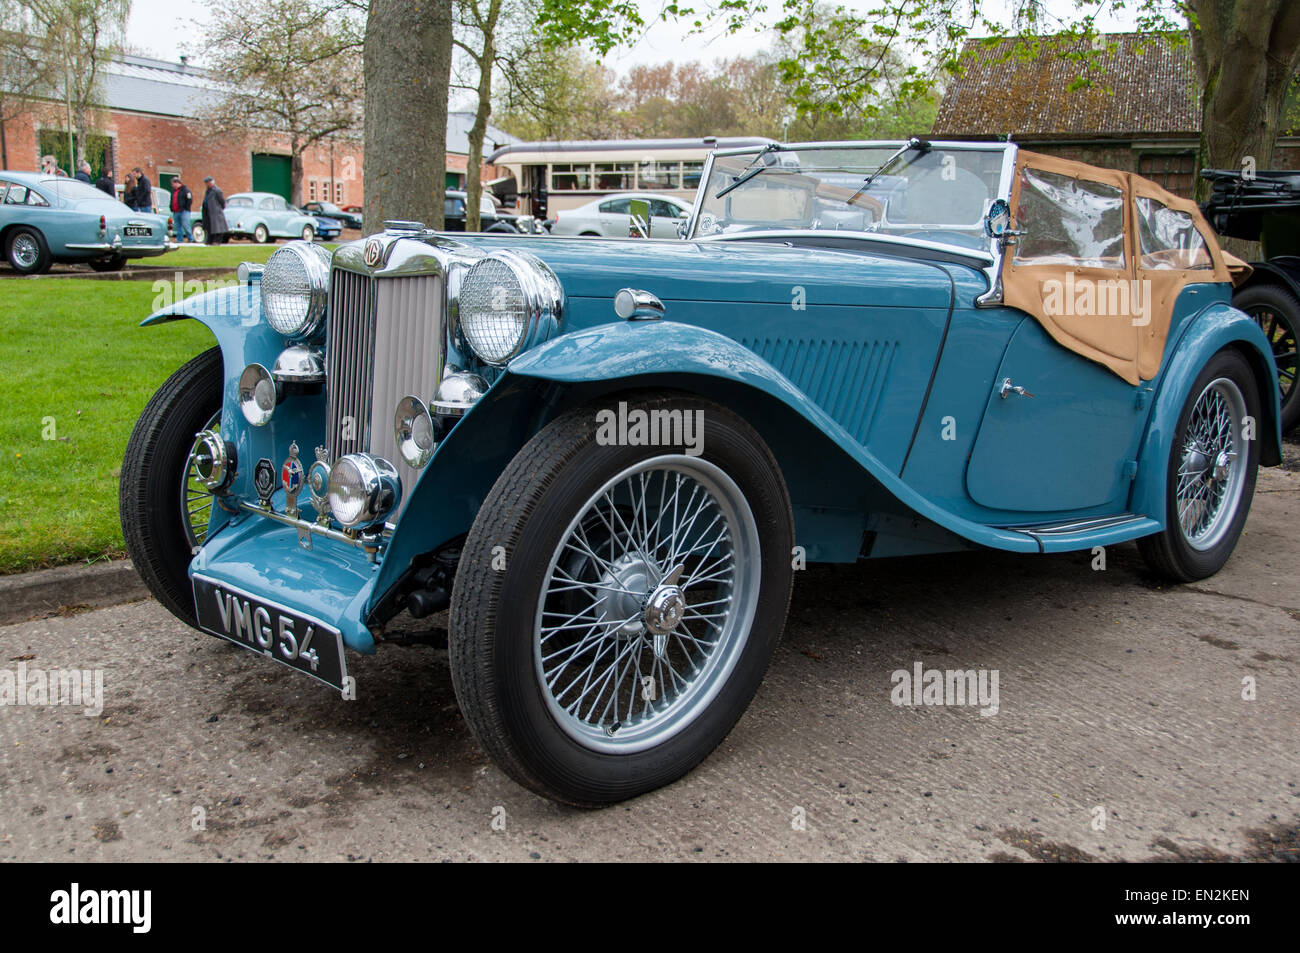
363,489
507,300
294,285
257,395
413,430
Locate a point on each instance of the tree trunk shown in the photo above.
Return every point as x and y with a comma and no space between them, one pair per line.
4,147
408,72
477,132
295,172
1246,52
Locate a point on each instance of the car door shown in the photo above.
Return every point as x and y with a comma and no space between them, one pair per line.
1061,426
612,217
274,215
664,219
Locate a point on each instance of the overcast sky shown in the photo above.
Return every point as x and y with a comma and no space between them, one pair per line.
165,28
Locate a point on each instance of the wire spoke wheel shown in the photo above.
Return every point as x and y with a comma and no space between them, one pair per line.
647,603
26,251
1210,475
196,501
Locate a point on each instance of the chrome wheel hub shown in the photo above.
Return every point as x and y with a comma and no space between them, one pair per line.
664,609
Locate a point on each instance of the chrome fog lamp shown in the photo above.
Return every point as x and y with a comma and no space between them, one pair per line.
213,460
299,364
257,395
457,393
413,428
363,489
508,301
295,283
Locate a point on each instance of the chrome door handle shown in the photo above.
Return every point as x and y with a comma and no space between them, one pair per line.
1009,388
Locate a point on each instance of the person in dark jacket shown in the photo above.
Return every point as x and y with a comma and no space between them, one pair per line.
182,203
106,185
214,215
83,172
143,192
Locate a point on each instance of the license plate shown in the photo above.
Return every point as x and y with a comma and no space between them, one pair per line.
137,231
278,634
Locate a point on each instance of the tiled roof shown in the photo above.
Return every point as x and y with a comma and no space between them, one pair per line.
1145,85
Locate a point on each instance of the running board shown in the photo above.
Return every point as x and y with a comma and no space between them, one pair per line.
1086,533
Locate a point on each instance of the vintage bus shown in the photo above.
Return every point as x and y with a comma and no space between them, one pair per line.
544,178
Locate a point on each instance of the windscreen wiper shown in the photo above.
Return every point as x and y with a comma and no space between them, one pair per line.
752,169
913,143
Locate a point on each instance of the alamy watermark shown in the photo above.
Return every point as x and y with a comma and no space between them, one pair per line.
651,428
41,688
1099,298
946,688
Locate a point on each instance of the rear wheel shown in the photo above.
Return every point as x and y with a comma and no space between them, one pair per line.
1212,468
308,233
27,252
261,235
163,507
616,607
1277,311
199,233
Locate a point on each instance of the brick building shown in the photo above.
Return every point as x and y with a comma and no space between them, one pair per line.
1142,116
149,119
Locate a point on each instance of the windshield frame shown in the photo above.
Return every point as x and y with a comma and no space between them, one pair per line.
1006,177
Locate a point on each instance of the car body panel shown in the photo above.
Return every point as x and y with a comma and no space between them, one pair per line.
69,221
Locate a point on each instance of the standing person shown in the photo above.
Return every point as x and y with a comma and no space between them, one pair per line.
182,203
83,172
49,166
214,215
128,190
143,191
105,185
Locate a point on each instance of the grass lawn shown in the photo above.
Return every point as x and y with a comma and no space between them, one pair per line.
212,256
77,372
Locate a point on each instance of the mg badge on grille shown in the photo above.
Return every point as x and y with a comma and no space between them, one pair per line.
374,252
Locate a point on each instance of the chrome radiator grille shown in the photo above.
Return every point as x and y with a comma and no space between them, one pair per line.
385,341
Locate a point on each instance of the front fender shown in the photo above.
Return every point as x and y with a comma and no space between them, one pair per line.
1215,328
639,349
234,316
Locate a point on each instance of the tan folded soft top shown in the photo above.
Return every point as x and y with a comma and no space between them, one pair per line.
1132,342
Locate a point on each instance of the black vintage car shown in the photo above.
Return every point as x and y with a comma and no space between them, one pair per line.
491,218
1264,206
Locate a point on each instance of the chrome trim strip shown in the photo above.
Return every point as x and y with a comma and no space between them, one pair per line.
1079,526
311,526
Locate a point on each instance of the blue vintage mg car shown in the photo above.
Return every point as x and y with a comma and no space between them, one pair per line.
46,219
607,458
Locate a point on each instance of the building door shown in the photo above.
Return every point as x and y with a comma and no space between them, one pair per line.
273,174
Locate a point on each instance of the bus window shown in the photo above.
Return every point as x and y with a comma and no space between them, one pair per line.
660,175
615,176
691,172
569,177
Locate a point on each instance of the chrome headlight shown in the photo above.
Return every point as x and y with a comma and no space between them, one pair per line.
413,430
363,489
295,283
258,395
508,301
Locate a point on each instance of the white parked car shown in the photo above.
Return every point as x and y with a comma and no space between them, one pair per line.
609,216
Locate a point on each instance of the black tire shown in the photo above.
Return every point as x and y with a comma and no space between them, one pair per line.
27,252
589,235
198,233
149,496
1277,311
1169,553
308,233
116,263
493,613
261,234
